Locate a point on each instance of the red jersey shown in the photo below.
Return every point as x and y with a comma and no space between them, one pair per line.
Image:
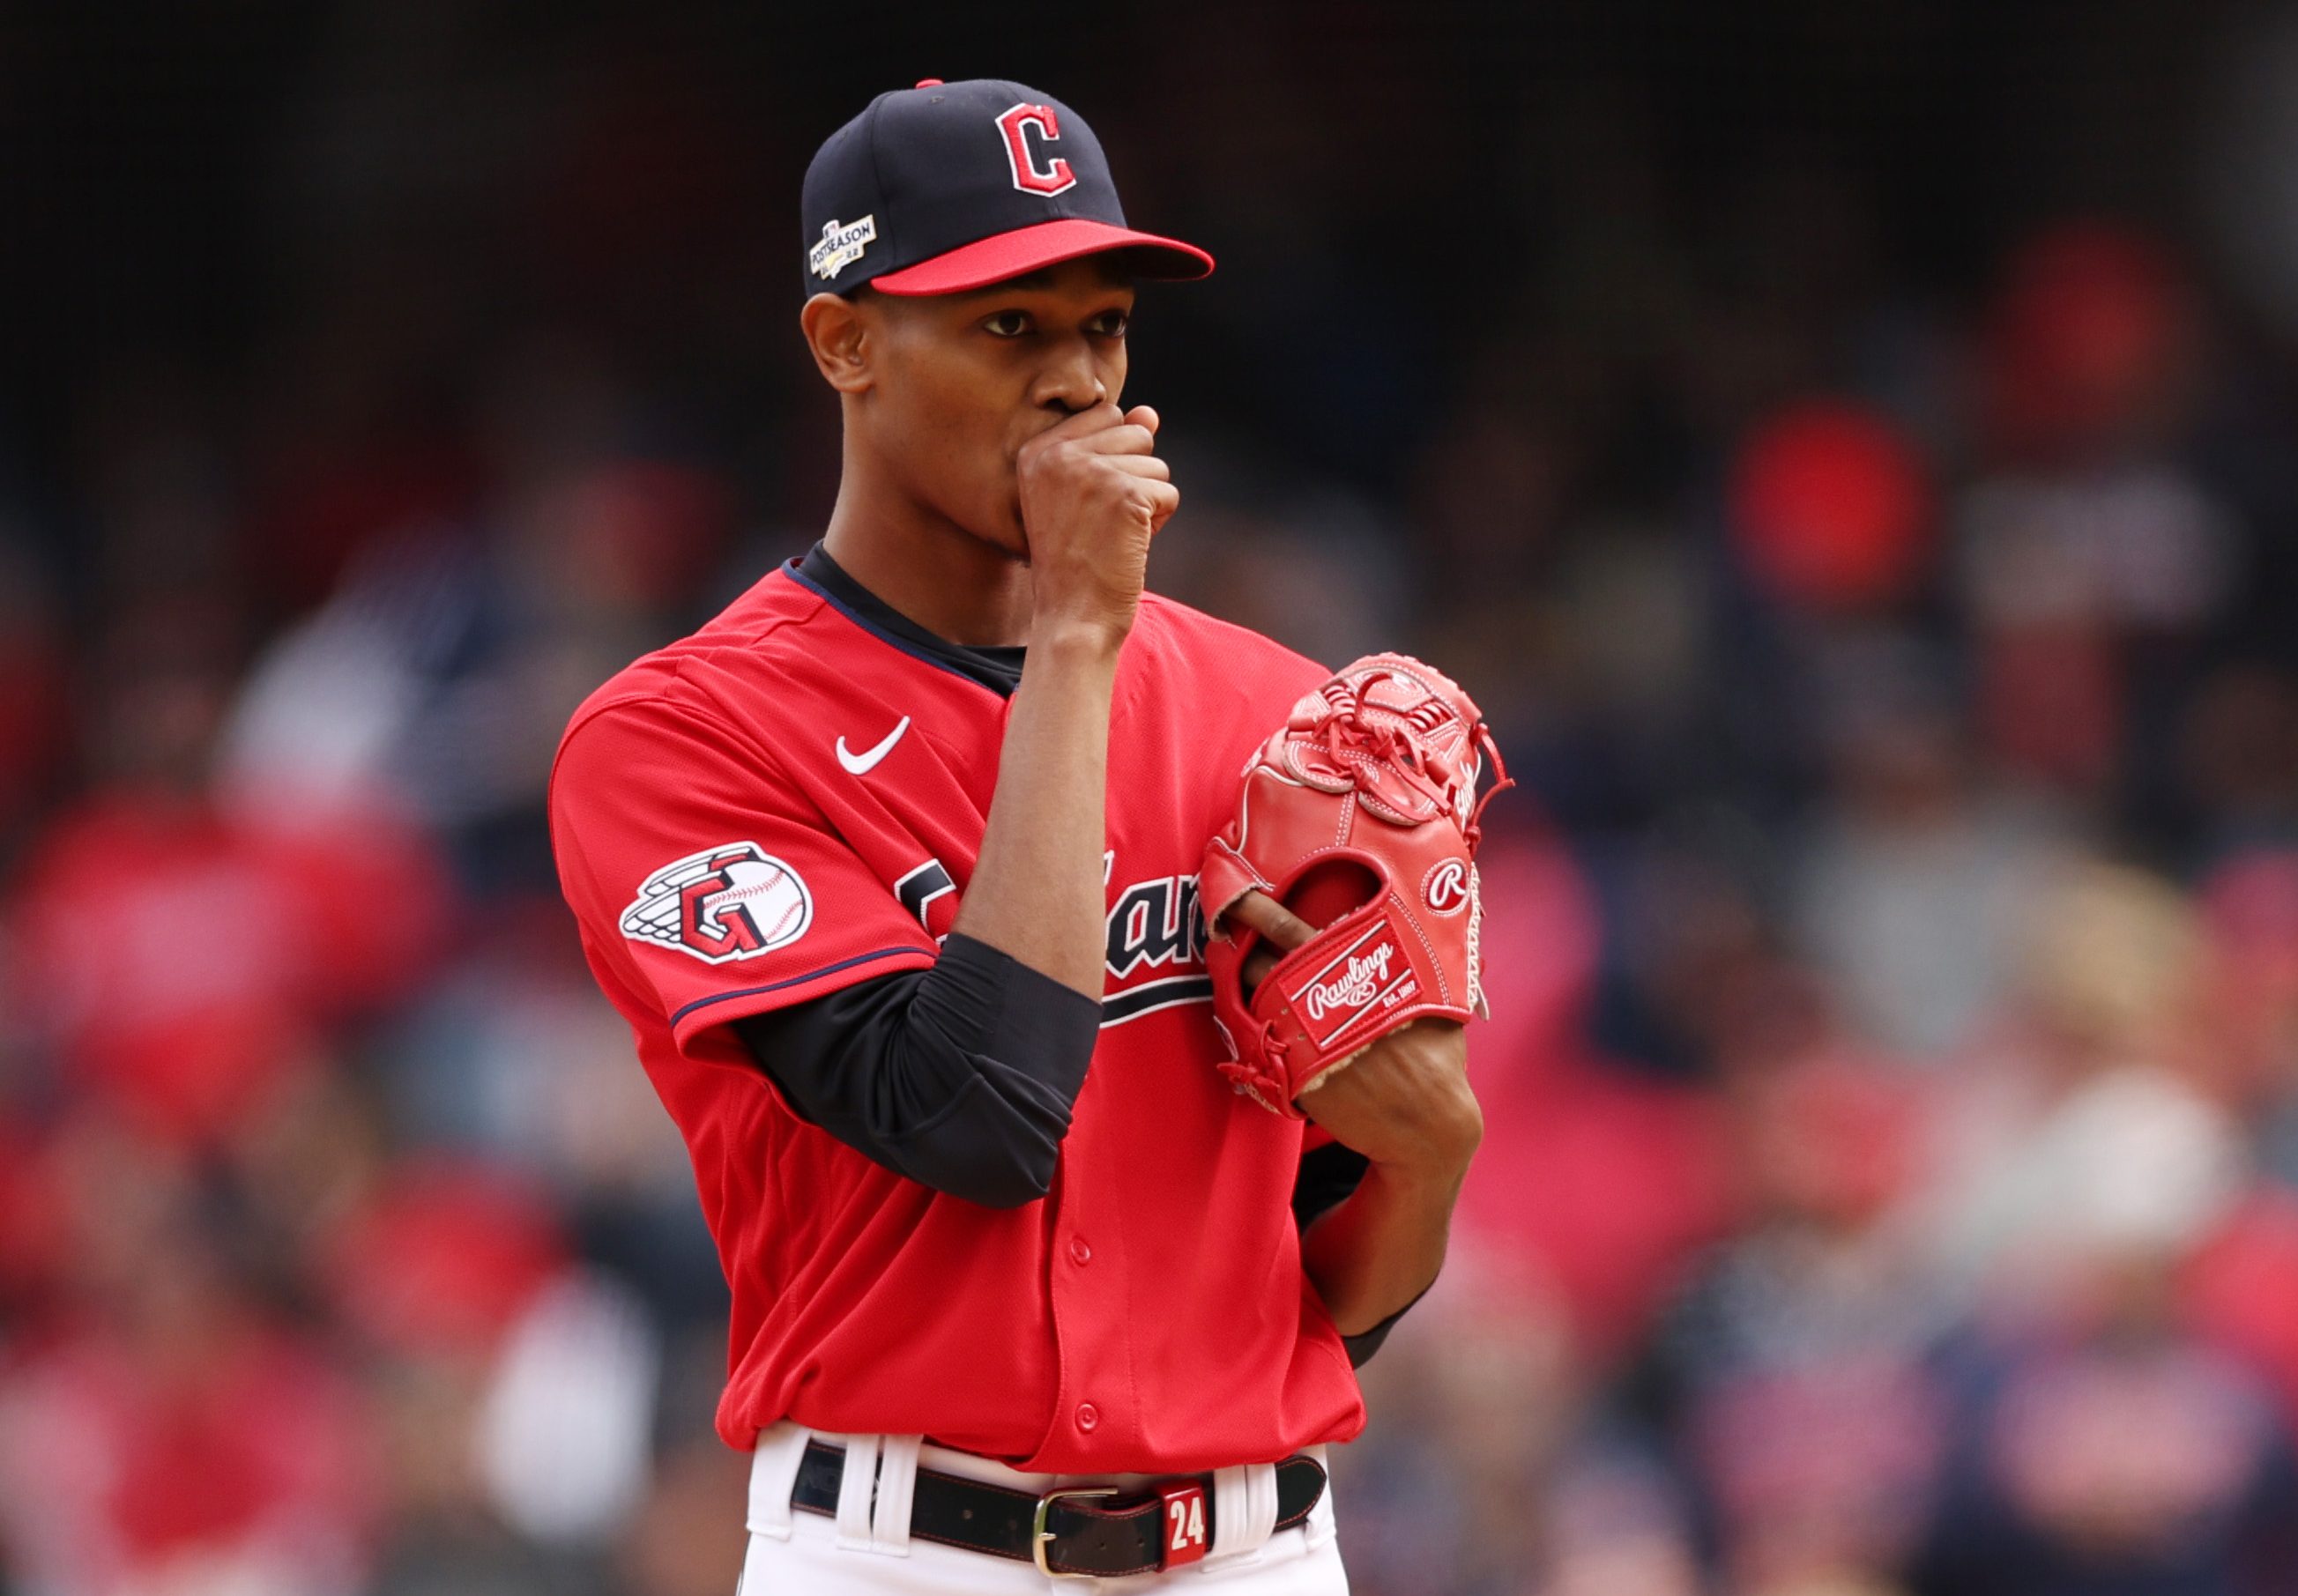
791,799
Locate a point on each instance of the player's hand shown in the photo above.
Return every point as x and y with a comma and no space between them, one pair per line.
1404,1102
1093,492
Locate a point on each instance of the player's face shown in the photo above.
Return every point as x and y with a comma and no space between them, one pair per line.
961,381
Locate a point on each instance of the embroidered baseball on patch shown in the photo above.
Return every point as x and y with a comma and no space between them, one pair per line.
842,244
734,901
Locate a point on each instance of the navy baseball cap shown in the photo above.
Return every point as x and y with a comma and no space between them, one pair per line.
954,185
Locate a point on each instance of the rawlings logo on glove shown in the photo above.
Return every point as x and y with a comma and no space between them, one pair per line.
1354,988
1361,815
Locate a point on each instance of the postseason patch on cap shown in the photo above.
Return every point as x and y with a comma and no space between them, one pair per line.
842,244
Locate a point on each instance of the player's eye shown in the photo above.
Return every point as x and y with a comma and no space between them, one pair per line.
1006,324
1110,324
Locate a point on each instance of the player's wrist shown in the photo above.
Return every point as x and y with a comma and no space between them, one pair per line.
1079,638
1426,1176
1432,1142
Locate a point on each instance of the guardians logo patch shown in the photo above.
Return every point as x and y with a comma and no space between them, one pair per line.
734,901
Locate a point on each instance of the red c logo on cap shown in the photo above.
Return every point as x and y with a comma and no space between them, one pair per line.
1027,175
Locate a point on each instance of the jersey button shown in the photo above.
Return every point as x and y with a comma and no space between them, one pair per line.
1079,1254
1087,1416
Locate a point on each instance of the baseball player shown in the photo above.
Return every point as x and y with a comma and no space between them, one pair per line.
892,869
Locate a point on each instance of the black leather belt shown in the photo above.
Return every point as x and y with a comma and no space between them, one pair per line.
1089,1531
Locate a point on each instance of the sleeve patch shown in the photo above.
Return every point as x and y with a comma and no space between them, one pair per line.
734,901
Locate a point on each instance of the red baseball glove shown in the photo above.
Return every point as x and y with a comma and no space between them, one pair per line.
1359,815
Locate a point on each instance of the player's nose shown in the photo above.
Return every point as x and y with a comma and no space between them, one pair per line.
1072,378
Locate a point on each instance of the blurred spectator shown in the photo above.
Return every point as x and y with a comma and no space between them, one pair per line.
1592,1186
2099,1434
1915,888
177,959
519,1387
170,1429
2090,551
1832,509
2084,1122
33,663
1791,1373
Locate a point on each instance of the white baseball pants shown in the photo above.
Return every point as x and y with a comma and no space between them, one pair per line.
866,1551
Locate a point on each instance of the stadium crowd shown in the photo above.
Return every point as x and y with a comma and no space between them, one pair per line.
1890,1186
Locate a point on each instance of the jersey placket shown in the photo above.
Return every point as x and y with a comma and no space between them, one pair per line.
1094,1410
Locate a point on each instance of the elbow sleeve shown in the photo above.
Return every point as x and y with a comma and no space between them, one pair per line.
997,1142
961,1077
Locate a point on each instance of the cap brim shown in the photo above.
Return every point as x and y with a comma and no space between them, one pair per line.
1003,255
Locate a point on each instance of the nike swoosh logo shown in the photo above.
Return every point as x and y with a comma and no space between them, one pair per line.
859,765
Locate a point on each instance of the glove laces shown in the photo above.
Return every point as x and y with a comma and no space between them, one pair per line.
1347,732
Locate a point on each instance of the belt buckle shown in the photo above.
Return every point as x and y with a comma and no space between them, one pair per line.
1041,1537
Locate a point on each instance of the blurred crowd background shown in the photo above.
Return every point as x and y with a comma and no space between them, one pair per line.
1850,450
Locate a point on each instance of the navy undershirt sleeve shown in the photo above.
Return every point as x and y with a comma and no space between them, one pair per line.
961,1076
1329,1176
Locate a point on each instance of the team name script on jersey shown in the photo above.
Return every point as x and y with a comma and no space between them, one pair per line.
1155,936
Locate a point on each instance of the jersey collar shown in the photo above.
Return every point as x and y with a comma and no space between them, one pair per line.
998,669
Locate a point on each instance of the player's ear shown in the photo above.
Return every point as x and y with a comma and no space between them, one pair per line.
838,333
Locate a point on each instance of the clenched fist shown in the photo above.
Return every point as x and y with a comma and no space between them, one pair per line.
1093,492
